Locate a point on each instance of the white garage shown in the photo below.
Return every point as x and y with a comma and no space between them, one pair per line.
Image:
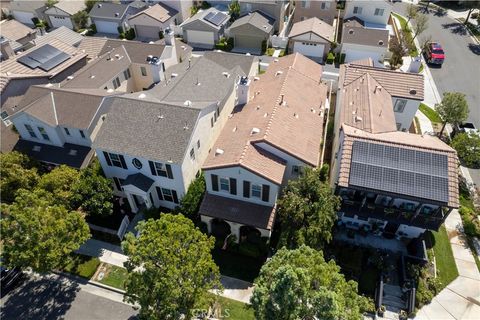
309,49
312,38
58,21
201,38
106,26
23,17
352,54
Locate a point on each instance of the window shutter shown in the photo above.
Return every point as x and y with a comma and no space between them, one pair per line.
246,189
233,186
152,168
265,192
169,171
174,194
122,160
159,193
214,182
107,158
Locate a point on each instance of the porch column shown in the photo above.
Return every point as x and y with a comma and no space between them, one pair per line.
208,222
131,202
235,229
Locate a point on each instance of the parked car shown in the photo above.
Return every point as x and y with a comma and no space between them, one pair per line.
9,277
466,127
434,53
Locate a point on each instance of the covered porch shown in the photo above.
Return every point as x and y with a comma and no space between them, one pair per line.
138,191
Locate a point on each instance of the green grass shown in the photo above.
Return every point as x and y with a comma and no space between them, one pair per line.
417,125
83,266
232,309
270,52
431,114
408,35
446,267
114,276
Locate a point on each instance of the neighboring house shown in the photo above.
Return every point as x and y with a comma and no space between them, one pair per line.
25,10
205,28
280,10
374,13
359,42
182,6
153,144
265,143
60,14
312,38
323,10
57,126
150,22
63,34
14,37
250,31
109,17
405,89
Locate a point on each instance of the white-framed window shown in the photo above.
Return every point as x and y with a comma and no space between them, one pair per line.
160,169
225,184
127,74
325,5
143,70
116,83
192,154
357,10
43,133
306,4
297,170
30,131
399,105
67,132
256,191
115,159
167,194
379,12
118,183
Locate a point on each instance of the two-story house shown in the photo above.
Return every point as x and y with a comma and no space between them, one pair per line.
280,10
323,10
265,143
392,182
153,144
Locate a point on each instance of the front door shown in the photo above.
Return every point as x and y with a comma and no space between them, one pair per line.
139,201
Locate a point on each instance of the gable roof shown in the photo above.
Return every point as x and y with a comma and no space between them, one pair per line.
354,31
257,19
108,10
137,51
314,25
160,12
63,34
14,30
227,60
26,5
68,6
201,14
92,46
139,180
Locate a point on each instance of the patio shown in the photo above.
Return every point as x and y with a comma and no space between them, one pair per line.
370,241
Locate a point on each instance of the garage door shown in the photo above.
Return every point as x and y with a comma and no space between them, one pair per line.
147,32
248,42
58,22
23,17
352,55
204,39
106,27
314,50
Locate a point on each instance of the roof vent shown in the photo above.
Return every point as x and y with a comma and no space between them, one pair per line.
226,74
218,152
142,95
234,129
149,58
379,88
265,114
69,77
256,78
160,117
110,90
255,131
257,107
295,115
279,72
312,110
413,91
380,43
185,127
350,31
117,14
99,5
173,75
117,56
72,152
275,60
187,103
358,119
92,76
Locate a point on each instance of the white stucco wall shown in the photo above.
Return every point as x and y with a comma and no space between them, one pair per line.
368,10
405,118
375,52
53,133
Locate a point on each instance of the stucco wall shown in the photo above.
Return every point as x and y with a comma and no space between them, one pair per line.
368,10
313,9
405,118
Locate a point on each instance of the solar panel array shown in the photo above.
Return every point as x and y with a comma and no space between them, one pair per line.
46,58
399,170
216,18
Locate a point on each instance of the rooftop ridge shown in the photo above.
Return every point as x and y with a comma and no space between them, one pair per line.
277,103
54,107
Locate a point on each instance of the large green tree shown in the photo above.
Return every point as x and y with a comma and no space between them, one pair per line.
452,109
191,201
234,10
59,182
39,235
468,148
17,171
307,211
89,4
170,268
300,284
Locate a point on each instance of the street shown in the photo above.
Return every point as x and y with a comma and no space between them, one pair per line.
56,297
461,69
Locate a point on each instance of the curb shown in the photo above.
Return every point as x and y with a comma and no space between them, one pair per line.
472,36
87,281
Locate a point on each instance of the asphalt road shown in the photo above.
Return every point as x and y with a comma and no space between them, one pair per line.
461,69
61,298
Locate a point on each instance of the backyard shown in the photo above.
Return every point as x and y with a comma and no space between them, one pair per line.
412,49
433,116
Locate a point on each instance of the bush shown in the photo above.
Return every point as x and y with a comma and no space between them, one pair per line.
151,213
264,46
130,34
330,58
324,172
119,29
342,58
81,265
190,203
249,249
93,27
161,35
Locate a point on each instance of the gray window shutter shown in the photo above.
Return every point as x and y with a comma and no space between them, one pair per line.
152,168
122,160
174,194
233,186
107,158
265,192
159,193
169,171
246,189
214,178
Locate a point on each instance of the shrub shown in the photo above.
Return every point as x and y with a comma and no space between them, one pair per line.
264,46
87,269
151,213
161,35
120,29
130,34
93,27
249,249
324,172
330,58
342,58
191,201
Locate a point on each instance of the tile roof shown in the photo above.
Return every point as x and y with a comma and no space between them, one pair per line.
294,126
139,180
63,34
14,30
354,32
137,51
398,84
314,25
257,19
26,5
363,62
160,12
92,46
108,10
239,211
403,140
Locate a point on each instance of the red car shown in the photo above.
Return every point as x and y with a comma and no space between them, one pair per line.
434,53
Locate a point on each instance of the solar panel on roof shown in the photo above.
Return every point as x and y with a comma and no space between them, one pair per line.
46,57
209,16
398,170
216,18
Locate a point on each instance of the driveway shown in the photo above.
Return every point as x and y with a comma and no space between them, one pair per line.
462,65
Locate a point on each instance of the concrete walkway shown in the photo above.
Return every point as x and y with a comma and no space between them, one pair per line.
425,124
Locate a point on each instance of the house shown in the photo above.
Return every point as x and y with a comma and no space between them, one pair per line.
374,13
394,183
183,8
405,89
25,10
15,36
312,38
155,19
109,17
279,10
323,10
57,126
62,34
205,28
61,13
251,32
265,143
167,131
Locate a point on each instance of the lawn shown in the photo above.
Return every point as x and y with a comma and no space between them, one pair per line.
431,114
81,265
446,267
114,276
408,35
231,309
270,52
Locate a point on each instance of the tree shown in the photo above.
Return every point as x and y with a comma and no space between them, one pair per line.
50,3
398,50
17,171
420,24
300,284
471,5
170,267
307,211
81,19
412,12
191,201
89,4
40,235
452,109
234,10
468,148
59,181
92,193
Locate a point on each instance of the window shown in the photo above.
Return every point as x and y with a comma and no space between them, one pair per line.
43,133
218,112
357,10
248,7
30,131
400,105
127,74
67,132
297,170
192,154
82,133
325,5
302,18
399,125
116,83
214,117
224,184
256,191
115,159
160,169
169,195
118,183
379,12
144,71
211,122
198,144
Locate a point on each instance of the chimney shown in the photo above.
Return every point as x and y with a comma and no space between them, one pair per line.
243,90
156,67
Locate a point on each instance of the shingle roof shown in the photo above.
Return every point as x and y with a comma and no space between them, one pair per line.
355,32
26,6
92,46
14,30
160,12
147,129
256,19
137,51
63,34
228,60
108,10
294,126
139,180
69,6
314,25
